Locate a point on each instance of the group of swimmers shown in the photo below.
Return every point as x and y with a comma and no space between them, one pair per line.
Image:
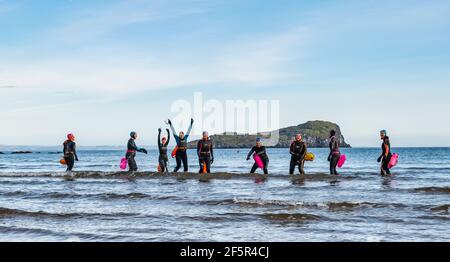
205,152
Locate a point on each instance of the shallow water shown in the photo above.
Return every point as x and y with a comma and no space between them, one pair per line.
39,203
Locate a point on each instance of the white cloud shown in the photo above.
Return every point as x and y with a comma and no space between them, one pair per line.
101,76
92,23
259,61
252,60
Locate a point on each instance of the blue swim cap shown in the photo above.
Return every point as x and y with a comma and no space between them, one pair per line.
383,132
258,139
133,134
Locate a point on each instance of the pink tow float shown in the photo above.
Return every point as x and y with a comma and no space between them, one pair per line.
393,162
341,161
258,161
123,163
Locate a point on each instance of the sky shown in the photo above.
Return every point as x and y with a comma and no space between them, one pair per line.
101,68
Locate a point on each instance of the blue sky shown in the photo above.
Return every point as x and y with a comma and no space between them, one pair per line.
102,68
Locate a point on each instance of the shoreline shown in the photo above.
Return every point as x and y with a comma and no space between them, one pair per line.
179,176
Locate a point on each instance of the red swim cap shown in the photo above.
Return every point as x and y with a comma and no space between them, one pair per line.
70,136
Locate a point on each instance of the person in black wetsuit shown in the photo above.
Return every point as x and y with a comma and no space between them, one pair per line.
181,139
335,153
131,152
298,152
386,154
260,150
70,152
162,146
205,153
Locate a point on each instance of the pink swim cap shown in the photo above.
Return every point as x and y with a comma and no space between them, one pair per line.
70,136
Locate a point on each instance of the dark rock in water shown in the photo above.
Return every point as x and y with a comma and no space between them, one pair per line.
315,134
21,152
54,153
444,208
1,153
435,190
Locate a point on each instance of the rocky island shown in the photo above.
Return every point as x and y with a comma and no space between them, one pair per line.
315,134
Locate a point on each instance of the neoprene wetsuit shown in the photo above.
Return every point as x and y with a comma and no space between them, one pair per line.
205,154
131,154
334,155
298,152
181,156
163,159
70,154
261,151
385,156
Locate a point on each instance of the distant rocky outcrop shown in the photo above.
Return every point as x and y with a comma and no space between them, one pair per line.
315,134
29,152
21,152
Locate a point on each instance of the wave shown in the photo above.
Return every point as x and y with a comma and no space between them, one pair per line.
335,206
102,174
136,195
297,217
427,168
34,231
444,208
149,175
445,218
104,196
260,202
220,218
435,190
51,235
7,212
14,193
331,206
24,183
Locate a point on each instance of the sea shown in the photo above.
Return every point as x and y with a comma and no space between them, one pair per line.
40,202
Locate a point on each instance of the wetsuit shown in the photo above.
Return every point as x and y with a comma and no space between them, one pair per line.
261,151
131,154
205,154
181,156
385,157
70,154
298,152
163,159
334,155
